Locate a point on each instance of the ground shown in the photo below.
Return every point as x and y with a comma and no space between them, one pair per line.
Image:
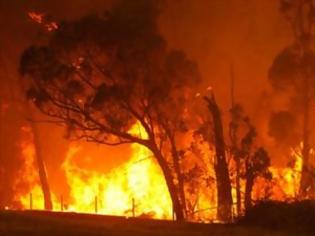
53,223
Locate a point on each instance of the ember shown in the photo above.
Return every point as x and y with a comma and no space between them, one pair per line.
180,111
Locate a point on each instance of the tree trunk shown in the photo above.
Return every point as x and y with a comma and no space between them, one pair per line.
224,195
248,191
238,184
306,178
179,173
233,136
237,160
248,187
40,162
177,207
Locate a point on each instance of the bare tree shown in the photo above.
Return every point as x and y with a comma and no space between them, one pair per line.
224,195
236,117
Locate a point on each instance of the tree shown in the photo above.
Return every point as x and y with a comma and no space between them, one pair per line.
256,165
39,155
102,74
236,117
25,109
256,162
250,161
224,194
235,124
294,68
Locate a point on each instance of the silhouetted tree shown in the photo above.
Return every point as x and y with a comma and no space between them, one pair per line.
256,165
294,68
236,119
224,194
250,161
102,74
255,162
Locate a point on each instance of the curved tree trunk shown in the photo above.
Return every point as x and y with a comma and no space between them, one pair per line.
177,206
224,191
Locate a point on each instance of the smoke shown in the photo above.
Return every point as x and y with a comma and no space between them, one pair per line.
283,127
245,33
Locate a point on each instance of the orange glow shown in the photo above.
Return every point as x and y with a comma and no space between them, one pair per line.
285,181
137,187
33,197
40,18
139,180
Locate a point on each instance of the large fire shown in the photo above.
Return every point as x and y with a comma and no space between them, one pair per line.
284,185
134,189
137,187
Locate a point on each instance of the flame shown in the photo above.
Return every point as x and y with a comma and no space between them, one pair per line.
137,187
288,179
27,185
285,180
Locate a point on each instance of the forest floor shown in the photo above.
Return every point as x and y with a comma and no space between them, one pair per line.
43,223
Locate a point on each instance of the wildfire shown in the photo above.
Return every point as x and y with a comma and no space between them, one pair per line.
284,185
137,187
287,179
27,187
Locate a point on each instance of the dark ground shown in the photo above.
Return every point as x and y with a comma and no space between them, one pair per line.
53,223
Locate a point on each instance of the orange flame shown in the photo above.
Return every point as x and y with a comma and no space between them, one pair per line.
137,187
139,181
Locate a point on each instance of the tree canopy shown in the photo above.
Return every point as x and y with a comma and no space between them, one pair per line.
100,75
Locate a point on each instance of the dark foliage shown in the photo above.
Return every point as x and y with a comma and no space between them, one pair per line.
101,75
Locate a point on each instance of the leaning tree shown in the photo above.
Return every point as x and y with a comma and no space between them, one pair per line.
293,70
100,75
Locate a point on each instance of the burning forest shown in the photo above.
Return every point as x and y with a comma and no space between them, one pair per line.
174,111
